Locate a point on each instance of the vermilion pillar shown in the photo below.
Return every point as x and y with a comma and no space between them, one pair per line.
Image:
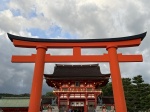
95,100
58,100
119,98
86,103
36,91
68,102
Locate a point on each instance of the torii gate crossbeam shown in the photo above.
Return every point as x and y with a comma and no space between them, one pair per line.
111,44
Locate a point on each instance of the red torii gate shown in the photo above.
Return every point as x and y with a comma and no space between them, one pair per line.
40,58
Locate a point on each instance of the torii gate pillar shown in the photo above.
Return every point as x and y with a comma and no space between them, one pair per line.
116,80
37,80
111,44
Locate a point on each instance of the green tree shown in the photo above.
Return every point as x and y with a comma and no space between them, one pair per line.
141,92
137,93
128,91
50,94
107,90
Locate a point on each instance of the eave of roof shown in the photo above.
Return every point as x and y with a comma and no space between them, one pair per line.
101,77
76,71
64,65
14,37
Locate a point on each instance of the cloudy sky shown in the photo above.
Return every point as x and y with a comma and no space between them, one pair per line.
70,19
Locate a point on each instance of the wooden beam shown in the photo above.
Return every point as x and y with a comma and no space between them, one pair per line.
124,43
83,58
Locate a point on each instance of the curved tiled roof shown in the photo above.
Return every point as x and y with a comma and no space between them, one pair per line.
76,72
14,102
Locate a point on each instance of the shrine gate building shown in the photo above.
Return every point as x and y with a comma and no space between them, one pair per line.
77,86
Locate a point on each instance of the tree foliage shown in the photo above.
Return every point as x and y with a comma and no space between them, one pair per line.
49,94
14,95
137,93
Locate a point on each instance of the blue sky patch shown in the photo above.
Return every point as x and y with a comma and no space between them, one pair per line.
16,12
37,32
3,4
32,14
52,32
